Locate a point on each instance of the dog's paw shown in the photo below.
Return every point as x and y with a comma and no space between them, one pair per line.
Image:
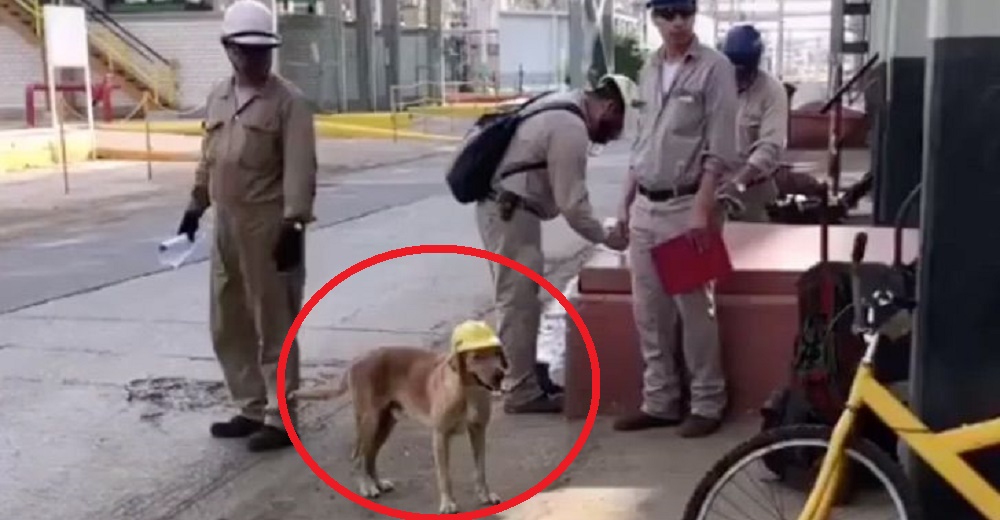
369,489
488,498
386,486
448,507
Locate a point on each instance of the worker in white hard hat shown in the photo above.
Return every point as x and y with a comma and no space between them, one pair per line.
258,170
542,176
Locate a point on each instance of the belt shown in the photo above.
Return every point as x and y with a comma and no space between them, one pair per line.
665,195
509,201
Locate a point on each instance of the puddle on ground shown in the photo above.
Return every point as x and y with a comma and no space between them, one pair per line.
176,393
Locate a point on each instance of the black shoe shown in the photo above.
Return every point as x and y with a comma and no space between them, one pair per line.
237,427
544,381
542,404
269,438
642,421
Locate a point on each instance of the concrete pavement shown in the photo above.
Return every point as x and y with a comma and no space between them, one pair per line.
107,389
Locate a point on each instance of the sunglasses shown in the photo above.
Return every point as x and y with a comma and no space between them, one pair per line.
669,13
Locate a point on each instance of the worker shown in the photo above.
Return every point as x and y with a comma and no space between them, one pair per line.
258,170
510,222
685,148
762,124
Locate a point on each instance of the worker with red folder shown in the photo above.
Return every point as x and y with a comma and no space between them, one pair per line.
684,151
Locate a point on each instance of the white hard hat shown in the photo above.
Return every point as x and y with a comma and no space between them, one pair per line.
625,86
249,22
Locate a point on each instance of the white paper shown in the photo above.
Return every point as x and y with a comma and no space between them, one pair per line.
175,251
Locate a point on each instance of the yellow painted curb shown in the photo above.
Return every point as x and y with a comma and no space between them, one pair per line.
115,154
373,119
40,149
346,131
469,110
376,120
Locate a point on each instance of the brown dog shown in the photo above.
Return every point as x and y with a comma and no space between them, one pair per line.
447,392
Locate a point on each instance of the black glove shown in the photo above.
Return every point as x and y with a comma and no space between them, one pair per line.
189,223
288,251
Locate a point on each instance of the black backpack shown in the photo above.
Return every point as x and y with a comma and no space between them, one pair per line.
471,174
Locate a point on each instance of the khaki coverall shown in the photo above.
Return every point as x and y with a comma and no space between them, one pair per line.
682,133
559,138
762,133
259,167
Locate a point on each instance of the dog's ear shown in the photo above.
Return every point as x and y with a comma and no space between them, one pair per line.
503,359
457,362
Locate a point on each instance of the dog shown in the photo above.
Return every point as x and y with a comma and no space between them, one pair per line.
446,392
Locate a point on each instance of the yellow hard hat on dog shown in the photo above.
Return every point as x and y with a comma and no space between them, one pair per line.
474,335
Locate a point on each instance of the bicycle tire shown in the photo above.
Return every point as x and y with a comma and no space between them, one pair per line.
860,450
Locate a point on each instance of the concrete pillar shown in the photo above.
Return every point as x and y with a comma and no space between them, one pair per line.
954,378
435,49
607,24
900,153
390,40
365,39
577,45
337,55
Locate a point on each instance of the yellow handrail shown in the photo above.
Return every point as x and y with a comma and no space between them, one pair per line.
33,8
160,79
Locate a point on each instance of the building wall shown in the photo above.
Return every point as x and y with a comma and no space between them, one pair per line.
536,43
22,65
190,38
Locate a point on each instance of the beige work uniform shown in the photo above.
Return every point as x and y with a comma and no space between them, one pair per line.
762,129
560,139
684,130
259,167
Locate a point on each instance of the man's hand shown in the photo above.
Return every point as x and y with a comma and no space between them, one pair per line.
288,252
617,237
701,223
189,223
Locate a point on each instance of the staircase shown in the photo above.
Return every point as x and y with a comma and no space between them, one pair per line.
115,50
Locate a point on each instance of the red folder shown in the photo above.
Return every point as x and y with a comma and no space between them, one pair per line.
683,269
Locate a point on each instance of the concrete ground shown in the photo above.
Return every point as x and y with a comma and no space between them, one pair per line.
108,381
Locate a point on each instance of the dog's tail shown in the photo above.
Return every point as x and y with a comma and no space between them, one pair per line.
324,392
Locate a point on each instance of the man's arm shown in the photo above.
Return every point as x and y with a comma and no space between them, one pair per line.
766,154
300,162
720,127
567,167
200,200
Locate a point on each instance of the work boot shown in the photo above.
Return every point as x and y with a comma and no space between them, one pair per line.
542,404
643,421
269,438
237,427
699,426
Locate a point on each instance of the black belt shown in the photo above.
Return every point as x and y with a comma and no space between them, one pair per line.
665,195
510,201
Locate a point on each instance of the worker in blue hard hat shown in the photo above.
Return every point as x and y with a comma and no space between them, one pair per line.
685,149
762,124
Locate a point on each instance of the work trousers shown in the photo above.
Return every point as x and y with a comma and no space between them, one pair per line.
253,306
755,200
518,307
656,313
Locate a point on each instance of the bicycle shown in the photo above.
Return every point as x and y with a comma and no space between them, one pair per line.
941,450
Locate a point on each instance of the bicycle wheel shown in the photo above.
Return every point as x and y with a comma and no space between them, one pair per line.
900,504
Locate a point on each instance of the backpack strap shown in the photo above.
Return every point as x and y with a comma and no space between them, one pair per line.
523,167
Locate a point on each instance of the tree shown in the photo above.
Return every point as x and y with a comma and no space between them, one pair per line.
628,56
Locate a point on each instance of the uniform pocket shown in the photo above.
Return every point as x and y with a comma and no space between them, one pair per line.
210,142
261,144
686,113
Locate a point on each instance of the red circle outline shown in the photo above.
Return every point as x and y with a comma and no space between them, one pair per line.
441,249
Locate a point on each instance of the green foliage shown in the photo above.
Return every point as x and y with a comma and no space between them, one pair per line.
628,56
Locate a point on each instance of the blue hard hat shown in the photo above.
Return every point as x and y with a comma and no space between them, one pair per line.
743,45
659,4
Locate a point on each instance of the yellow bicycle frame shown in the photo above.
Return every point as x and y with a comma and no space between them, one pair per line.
942,451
